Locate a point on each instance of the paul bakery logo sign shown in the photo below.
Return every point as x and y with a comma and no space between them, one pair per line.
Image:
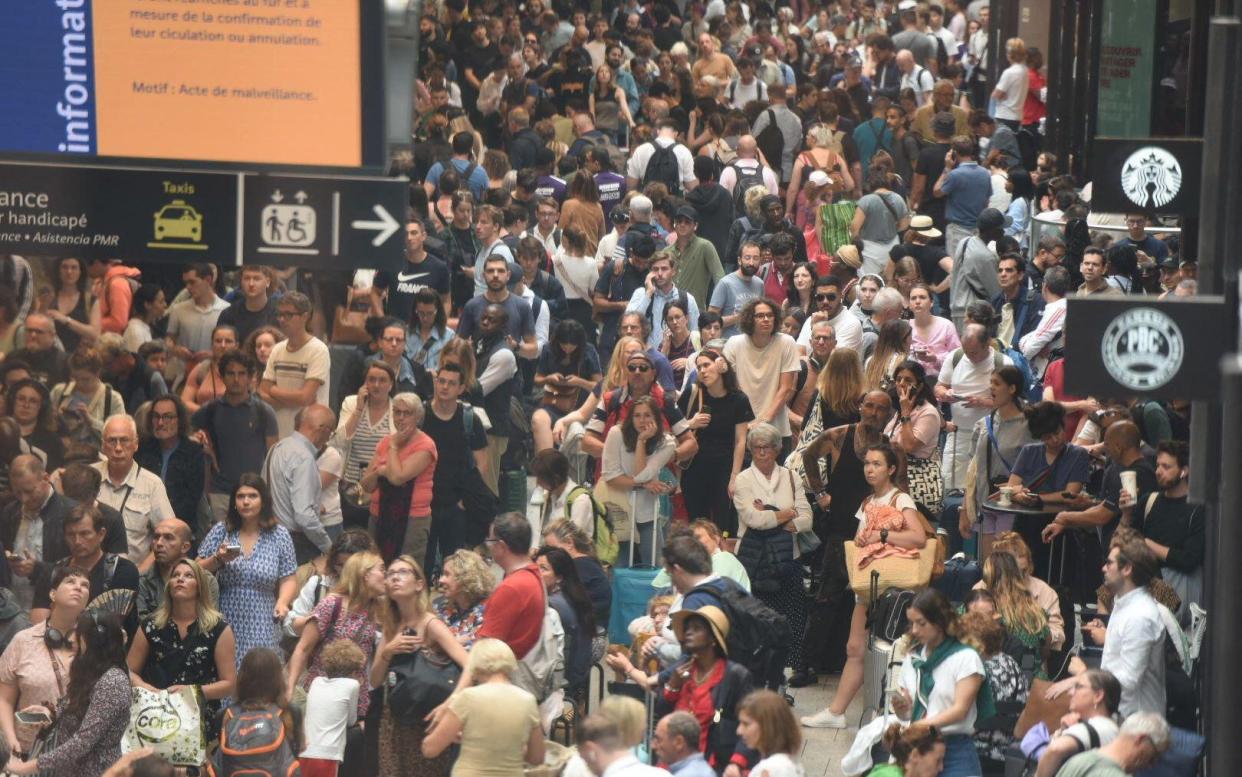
1158,175
1151,177
1142,349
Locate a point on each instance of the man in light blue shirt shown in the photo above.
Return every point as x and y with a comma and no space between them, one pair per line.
966,187
738,288
676,742
292,476
652,301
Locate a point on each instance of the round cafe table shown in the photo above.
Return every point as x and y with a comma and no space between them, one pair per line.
1029,525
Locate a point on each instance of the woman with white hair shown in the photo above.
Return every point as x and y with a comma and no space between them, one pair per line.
399,479
771,509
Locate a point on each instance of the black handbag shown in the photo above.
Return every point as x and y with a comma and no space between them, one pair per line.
419,682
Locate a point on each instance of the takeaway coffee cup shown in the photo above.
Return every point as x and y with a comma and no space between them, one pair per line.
1006,495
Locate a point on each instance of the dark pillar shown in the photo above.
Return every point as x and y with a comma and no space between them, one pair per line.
1216,458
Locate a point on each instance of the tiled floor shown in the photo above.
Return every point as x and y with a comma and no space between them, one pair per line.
823,748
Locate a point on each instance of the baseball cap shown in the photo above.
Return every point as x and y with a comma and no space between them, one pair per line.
643,245
687,212
819,178
1170,264
991,218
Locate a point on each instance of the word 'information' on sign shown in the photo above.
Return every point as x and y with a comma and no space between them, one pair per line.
277,82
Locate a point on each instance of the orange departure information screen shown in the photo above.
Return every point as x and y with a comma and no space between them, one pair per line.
273,82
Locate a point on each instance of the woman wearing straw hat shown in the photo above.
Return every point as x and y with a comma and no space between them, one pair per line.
707,685
924,245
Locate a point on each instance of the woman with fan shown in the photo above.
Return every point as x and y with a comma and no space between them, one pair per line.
186,642
34,669
94,713
253,559
889,524
411,633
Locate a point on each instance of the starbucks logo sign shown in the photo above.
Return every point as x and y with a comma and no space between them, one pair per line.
1142,349
1151,177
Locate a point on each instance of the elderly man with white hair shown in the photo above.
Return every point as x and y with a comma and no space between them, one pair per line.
1144,736
914,76
136,493
888,305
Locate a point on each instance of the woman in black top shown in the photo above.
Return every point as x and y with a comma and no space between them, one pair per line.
568,369
563,534
185,641
28,403
719,414
71,311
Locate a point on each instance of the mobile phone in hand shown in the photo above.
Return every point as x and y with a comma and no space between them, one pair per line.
33,718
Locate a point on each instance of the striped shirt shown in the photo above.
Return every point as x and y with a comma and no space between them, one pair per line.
362,443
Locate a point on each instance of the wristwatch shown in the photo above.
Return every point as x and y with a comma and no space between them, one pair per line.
884,536
905,419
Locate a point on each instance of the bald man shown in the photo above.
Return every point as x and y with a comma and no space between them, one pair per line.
748,170
1122,444
170,543
135,492
293,477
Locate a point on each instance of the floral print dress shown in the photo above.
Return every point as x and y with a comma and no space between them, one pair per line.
335,621
248,584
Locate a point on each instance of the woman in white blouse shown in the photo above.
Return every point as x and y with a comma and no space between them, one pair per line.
634,453
771,509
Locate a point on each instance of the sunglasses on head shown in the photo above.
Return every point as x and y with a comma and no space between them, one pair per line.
638,367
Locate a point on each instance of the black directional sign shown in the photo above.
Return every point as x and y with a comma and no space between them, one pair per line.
189,216
49,210
333,222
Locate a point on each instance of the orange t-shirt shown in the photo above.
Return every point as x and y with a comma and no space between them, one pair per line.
420,502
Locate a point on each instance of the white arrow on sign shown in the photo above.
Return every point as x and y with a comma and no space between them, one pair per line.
386,226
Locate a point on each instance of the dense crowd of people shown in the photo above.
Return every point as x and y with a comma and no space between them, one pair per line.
751,296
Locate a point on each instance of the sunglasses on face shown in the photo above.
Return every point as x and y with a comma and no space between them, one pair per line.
826,297
638,368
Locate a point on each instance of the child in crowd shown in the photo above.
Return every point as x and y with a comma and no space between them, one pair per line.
331,708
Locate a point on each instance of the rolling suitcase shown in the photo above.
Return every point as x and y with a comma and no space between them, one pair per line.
631,586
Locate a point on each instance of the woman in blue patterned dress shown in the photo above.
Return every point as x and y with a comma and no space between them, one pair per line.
252,557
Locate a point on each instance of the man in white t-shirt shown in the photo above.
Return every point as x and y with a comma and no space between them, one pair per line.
1010,91
747,87
831,302
298,367
965,382
915,76
666,137
766,363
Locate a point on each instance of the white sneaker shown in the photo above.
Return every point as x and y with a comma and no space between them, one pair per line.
825,719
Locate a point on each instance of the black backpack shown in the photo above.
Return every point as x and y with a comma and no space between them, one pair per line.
682,297
758,635
746,179
664,168
888,614
771,141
